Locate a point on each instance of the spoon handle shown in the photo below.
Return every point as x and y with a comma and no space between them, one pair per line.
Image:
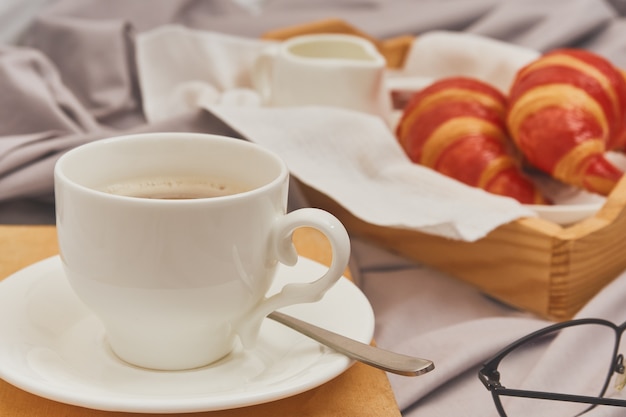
379,358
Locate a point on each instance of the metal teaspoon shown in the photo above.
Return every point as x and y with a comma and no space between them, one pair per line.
379,358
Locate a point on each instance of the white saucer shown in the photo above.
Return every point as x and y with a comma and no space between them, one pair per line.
52,346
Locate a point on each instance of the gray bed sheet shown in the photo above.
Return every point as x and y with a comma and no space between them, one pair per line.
67,76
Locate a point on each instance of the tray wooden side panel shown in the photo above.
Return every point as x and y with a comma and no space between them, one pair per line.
596,253
588,265
530,263
513,263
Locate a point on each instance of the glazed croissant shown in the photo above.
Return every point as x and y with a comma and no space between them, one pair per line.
456,126
566,109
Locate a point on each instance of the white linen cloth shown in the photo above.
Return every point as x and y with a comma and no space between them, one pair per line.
352,157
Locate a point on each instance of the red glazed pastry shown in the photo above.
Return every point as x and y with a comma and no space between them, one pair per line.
566,109
456,126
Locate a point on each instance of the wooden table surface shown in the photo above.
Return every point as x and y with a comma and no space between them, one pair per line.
360,391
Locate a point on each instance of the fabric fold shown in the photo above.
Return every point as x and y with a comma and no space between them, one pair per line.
73,81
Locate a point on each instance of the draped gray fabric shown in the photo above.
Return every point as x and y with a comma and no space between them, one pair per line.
68,76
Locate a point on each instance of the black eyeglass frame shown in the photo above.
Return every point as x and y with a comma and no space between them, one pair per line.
490,376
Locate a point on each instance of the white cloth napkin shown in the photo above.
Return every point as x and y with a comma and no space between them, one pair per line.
352,157
440,54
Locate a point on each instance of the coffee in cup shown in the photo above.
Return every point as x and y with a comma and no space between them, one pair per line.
175,188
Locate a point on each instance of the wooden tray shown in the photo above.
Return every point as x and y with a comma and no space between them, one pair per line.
531,263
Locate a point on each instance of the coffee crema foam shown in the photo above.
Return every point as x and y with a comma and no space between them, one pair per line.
168,188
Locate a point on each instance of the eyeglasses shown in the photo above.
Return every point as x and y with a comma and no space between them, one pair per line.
579,355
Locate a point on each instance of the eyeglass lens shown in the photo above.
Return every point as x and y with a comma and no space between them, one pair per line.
576,360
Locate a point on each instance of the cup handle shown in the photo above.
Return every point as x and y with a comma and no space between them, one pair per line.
262,73
286,253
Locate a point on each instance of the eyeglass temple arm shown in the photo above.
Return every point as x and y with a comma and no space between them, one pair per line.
540,395
490,378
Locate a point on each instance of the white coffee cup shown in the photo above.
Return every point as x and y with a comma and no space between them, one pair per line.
323,69
176,277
